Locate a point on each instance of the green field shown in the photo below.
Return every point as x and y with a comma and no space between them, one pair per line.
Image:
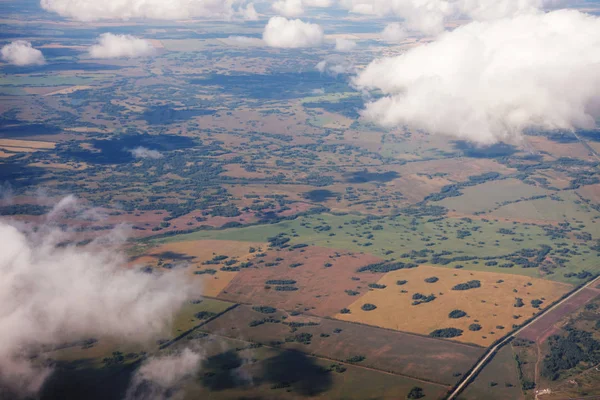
491,194
186,317
498,380
404,234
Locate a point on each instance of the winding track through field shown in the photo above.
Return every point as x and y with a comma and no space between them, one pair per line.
492,351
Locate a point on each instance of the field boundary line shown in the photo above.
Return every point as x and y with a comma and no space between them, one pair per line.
472,345
204,322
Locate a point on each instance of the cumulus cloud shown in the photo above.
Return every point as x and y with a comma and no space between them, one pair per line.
429,16
159,377
344,45
286,33
335,65
143,152
21,52
488,81
245,41
294,8
120,46
92,10
288,8
394,33
249,13
52,294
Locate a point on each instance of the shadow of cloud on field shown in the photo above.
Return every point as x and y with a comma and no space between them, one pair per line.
19,174
493,151
366,176
220,371
82,380
117,150
172,255
15,129
320,195
299,371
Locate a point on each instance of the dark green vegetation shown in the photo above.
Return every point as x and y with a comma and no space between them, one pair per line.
419,298
376,286
446,333
386,267
457,314
368,307
265,309
415,393
570,350
468,285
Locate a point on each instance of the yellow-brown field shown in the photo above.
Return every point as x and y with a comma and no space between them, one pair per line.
542,144
26,144
69,90
490,305
72,167
85,129
42,90
204,250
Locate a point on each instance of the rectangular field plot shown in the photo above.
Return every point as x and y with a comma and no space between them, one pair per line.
235,369
482,244
414,356
483,313
195,312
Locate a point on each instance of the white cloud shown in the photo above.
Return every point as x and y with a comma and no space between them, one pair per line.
394,33
245,41
429,16
294,8
91,10
487,81
53,294
120,46
284,33
318,3
344,45
158,377
249,13
143,152
21,53
288,8
335,65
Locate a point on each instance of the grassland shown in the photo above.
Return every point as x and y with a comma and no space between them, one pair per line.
491,305
196,254
414,356
499,379
321,275
195,312
489,195
403,234
271,373
565,207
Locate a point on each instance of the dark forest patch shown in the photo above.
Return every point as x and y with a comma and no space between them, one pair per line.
366,176
320,195
117,150
493,151
162,115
